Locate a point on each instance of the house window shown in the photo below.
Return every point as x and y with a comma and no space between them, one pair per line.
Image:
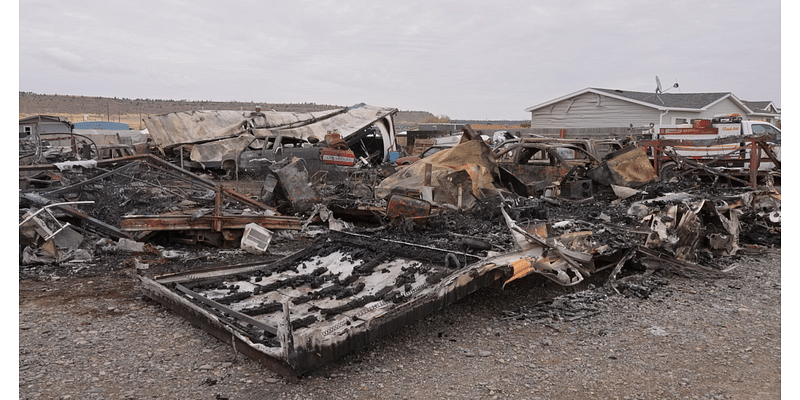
681,121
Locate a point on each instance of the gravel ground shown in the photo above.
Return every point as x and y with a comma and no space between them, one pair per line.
92,335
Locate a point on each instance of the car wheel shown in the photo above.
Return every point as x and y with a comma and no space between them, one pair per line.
668,171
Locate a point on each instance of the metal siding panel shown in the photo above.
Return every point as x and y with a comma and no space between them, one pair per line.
724,107
586,112
54,127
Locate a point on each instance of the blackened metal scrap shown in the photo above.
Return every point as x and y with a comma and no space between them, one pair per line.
303,322
139,185
667,260
84,222
79,185
242,317
233,297
267,308
348,289
351,305
420,249
567,308
640,285
696,165
618,267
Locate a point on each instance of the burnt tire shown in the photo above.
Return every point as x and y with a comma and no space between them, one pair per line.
668,171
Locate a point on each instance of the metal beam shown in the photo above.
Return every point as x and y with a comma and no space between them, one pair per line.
141,223
242,317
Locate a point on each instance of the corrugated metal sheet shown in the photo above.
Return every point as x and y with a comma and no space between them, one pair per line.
170,130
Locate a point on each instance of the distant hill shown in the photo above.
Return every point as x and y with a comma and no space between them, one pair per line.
131,111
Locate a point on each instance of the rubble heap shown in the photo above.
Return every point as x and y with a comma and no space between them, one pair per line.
388,247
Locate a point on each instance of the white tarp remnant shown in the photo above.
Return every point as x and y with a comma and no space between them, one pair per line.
103,137
220,150
68,165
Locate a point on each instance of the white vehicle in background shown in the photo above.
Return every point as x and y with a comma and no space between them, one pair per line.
692,142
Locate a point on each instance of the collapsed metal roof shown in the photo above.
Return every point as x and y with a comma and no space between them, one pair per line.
192,127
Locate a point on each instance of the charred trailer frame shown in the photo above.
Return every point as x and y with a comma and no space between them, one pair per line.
326,301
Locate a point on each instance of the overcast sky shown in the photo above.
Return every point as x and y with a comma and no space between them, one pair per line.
463,59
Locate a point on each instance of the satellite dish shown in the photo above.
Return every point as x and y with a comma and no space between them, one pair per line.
658,85
659,90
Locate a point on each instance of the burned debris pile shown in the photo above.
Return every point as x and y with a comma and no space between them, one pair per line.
569,307
391,243
138,198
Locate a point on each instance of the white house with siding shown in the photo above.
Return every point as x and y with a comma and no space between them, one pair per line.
609,108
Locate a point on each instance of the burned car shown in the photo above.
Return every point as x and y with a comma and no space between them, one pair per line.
598,148
540,165
332,157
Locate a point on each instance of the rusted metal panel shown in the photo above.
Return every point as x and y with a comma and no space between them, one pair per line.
141,223
711,131
473,156
631,167
338,157
408,208
755,158
627,167
94,224
295,182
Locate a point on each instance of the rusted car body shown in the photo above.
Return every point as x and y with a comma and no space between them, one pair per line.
598,148
539,164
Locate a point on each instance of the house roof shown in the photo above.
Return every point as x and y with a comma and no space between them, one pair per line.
662,101
762,106
36,118
670,100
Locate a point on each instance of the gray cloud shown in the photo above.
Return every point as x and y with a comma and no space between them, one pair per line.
63,59
465,59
